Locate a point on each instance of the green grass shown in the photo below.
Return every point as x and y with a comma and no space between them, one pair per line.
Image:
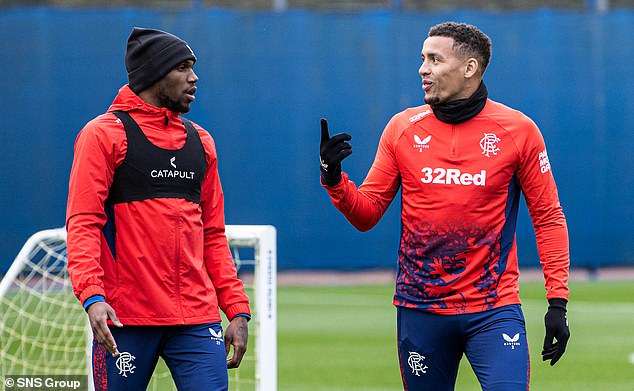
344,338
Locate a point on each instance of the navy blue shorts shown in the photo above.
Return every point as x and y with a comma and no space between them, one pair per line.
194,354
430,347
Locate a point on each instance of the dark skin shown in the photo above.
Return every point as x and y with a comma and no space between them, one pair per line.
98,314
175,92
236,335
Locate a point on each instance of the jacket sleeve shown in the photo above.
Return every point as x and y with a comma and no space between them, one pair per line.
232,298
363,207
551,232
90,178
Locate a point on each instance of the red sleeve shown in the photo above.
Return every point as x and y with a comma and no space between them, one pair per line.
232,298
90,178
551,232
364,207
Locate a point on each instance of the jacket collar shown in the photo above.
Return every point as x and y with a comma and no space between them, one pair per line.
127,100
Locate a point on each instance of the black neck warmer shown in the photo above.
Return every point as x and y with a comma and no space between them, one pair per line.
461,110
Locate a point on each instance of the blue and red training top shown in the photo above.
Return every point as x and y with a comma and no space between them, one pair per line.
461,187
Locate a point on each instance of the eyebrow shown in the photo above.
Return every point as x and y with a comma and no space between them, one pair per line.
435,54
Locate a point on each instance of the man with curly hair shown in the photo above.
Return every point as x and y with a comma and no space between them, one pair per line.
461,162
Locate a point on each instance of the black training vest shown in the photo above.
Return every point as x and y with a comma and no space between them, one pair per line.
148,171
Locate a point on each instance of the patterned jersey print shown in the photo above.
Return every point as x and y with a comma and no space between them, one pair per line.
460,187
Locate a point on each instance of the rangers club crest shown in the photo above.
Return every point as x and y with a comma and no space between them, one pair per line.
415,362
124,364
489,144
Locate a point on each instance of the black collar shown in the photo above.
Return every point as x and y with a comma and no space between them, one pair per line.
461,110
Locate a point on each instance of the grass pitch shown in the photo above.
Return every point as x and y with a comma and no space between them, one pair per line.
344,338
336,338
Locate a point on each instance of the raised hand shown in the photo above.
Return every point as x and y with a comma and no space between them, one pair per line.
331,152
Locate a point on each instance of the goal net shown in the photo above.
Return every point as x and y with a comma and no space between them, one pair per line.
44,330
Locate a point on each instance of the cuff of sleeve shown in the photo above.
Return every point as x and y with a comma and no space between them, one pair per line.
326,183
243,316
91,291
238,309
557,303
92,300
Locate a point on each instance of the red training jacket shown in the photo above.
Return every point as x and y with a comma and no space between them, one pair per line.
173,265
460,196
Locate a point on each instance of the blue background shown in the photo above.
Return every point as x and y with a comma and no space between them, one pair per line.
266,79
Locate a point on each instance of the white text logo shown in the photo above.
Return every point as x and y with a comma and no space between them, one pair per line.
489,144
512,342
420,144
449,176
544,164
323,164
418,116
172,174
216,336
124,364
415,361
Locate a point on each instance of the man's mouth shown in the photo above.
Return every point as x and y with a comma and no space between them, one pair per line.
427,85
190,94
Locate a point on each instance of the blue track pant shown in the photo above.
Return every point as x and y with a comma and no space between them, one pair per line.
194,354
430,347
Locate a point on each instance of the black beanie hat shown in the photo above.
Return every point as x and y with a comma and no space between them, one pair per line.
152,54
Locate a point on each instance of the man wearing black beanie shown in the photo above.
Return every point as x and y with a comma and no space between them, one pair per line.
147,252
151,54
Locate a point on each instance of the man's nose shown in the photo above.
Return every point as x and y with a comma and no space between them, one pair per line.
193,77
423,70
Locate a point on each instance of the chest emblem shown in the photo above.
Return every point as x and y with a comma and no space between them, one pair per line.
489,144
421,144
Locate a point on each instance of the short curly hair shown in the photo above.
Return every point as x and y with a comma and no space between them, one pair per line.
469,41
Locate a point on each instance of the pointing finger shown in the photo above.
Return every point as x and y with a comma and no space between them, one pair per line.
325,136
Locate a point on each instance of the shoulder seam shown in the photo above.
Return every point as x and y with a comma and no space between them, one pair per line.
414,119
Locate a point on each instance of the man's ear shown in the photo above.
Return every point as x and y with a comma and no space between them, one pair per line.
472,68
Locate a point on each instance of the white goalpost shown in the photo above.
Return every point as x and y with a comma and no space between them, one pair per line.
44,329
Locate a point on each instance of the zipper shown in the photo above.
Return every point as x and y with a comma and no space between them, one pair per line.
177,255
454,142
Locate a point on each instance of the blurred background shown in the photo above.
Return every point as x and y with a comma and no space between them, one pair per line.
270,69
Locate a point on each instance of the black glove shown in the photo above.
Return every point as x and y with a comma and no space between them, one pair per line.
556,329
331,152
